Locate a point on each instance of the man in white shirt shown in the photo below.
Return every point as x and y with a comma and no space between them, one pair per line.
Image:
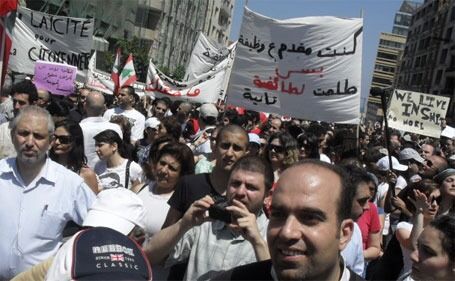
126,101
37,195
94,124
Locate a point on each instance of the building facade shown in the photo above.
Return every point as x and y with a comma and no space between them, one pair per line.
388,56
181,22
428,63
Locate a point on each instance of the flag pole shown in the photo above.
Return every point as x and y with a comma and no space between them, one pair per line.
2,52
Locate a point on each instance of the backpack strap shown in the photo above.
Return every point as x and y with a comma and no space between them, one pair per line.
127,173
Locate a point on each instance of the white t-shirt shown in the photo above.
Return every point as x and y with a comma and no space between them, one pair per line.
115,177
407,262
136,119
156,208
91,126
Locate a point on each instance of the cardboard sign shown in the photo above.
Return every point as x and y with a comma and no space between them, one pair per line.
57,78
417,112
306,67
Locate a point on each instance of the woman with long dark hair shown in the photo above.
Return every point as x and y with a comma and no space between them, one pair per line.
68,150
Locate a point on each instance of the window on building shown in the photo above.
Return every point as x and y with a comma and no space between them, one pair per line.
449,34
437,80
387,56
443,57
380,80
417,62
452,14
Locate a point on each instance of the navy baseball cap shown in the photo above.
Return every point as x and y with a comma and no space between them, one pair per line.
102,253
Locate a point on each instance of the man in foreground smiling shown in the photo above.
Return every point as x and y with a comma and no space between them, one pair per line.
309,225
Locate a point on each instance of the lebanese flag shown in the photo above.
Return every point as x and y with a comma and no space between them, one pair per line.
115,71
128,75
7,17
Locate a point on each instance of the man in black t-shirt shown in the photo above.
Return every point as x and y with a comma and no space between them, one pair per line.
231,145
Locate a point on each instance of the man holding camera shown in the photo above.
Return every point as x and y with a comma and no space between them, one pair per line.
212,245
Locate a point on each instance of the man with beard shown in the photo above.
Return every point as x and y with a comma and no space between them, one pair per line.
37,195
215,245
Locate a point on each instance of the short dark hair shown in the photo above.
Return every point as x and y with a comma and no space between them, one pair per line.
26,87
182,153
234,129
446,225
173,127
111,137
346,196
253,163
130,90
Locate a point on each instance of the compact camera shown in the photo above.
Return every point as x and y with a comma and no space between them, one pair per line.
218,210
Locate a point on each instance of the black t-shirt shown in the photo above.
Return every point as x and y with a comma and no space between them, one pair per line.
189,189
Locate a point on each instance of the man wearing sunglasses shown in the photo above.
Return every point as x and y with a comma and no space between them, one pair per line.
37,195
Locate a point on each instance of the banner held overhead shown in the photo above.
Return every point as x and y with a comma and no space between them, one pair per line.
306,67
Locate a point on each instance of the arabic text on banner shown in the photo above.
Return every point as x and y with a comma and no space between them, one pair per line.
57,78
41,36
417,112
304,67
207,89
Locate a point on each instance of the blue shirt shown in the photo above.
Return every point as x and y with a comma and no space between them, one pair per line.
32,217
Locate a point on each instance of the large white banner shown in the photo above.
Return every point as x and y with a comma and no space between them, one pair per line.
417,112
208,88
304,67
40,36
205,56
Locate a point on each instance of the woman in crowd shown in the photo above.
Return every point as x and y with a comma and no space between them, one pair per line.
446,180
114,169
170,126
434,258
281,152
171,162
68,150
416,202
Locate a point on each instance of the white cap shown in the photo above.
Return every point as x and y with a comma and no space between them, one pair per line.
118,208
152,122
383,164
254,138
409,153
208,110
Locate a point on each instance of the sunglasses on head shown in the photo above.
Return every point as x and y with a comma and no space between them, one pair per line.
276,148
63,139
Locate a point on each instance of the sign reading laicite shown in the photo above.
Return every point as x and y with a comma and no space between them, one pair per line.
45,37
417,112
306,67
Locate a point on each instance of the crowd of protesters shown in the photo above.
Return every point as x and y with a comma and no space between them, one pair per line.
392,198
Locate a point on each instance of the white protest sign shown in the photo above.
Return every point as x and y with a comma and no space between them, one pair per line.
55,77
208,88
40,36
305,67
417,112
205,55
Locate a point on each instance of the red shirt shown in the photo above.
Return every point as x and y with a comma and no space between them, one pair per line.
369,223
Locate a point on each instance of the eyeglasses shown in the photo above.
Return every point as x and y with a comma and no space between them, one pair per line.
63,139
436,199
276,148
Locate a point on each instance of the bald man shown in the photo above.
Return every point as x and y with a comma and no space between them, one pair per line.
95,123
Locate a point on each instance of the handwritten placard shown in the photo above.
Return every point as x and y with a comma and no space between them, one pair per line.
57,78
417,112
304,67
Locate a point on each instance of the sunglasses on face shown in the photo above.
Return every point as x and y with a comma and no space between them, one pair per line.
276,148
63,139
428,163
